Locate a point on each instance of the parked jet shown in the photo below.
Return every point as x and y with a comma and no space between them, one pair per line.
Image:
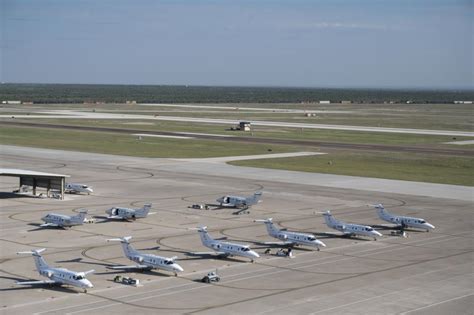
225,248
61,220
350,229
78,188
238,202
292,238
146,261
127,213
56,275
403,221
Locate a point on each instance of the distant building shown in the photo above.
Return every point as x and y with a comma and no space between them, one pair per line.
324,102
12,102
462,102
346,102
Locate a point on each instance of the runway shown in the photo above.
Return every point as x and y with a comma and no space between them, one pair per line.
426,273
71,114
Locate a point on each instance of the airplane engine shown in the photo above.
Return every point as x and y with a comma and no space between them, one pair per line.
49,274
217,246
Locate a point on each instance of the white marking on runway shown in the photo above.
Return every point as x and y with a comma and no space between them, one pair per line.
225,159
434,304
466,142
160,136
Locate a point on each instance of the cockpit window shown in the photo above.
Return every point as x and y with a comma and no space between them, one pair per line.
168,262
422,221
369,229
78,277
84,186
245,249
311,238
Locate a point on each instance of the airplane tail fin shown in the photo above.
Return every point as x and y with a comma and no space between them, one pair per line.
205,237
39,260
330,221
254,199
79,218
127,248
143,212
271,229
382,213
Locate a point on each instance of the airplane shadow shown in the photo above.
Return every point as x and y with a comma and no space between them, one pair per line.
395,228
324,235
54,287
132,270
79,260
194,256
43,228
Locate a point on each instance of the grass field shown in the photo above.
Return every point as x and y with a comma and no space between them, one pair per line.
410,167
110,143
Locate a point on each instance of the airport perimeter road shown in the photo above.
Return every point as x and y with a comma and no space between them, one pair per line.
425,273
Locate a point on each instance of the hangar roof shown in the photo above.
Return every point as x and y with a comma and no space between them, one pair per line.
19,172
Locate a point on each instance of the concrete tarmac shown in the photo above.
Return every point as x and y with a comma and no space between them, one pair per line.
425,273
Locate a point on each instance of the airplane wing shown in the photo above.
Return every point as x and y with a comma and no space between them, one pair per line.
129,267
48,224
36,282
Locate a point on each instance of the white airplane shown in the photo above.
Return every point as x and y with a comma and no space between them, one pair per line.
403,221
237,202
62,220
78,188
225,248
56,275
146,261
292,238
350,229
127,213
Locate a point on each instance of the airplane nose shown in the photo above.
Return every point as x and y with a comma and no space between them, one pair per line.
320,243
178,268
255,254
431,226
377,233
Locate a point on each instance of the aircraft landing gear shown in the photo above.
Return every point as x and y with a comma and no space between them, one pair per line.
319,249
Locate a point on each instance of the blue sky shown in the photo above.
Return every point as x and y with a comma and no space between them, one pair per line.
325,43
